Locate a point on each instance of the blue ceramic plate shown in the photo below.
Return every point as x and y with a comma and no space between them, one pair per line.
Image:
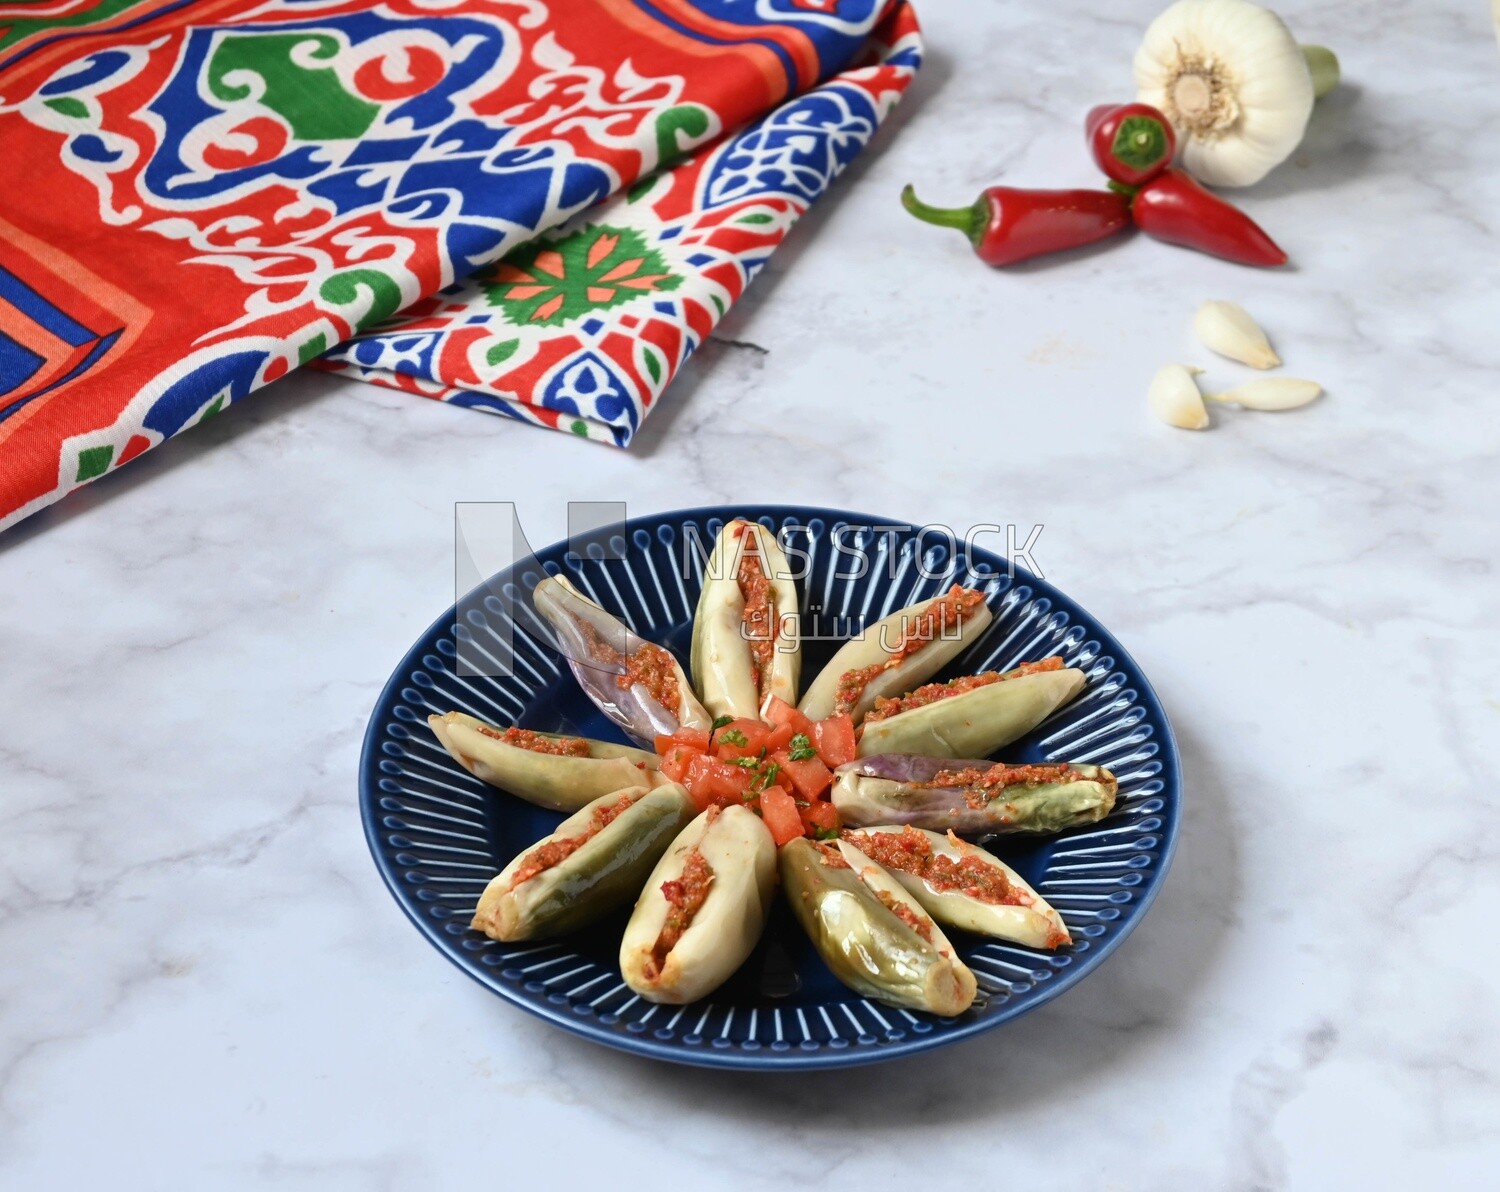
438,834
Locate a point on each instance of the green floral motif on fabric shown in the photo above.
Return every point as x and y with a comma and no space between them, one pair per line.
547,283
293,76
352,285
74,109
678,129
94,461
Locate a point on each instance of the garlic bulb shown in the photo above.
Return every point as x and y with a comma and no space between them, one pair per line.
1228,329
1235,85
1174,398
1270,393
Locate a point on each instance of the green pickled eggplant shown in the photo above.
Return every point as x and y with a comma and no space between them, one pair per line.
962,885
594,863
554,771
972,797
702,909
972,716
873,935
897,653
746,643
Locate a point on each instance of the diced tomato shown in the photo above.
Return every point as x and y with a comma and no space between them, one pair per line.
810,777
778,712
834,740
780,737
693,738
676,760
779,811
711,781
739,738
819,816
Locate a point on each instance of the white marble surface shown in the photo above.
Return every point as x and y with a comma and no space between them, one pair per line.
205,985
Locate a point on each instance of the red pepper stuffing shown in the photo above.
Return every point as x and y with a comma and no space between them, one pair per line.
760,619
904,913
852,685
933,692
1131,142
945,614
649,665
555,852
1176,208
1007,224
985,785
832,858
685,895
909,851
524,738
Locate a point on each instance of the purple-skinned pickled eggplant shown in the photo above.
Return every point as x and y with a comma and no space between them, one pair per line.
897,653
746,644
637,684
972,716
972,797
549,769
873,935
594,863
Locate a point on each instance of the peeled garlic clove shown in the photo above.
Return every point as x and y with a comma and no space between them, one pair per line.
1174,398
1271,393
1228,329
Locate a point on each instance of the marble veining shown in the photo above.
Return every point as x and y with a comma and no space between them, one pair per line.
204,983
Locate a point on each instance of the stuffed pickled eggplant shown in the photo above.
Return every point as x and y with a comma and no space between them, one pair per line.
897,653
702,909
637,684
746,646
971,797
873,935
962,885
594,863
971,716
558,772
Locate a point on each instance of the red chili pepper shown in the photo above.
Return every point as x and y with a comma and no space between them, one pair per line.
1007,224
1131,142
1174,207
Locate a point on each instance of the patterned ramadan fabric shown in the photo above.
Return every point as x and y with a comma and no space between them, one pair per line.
583,328
199,196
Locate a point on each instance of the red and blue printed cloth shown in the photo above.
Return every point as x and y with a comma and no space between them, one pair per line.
538,208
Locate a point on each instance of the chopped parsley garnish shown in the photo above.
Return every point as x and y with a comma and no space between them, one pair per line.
734,737
764,777
719,722
802,748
